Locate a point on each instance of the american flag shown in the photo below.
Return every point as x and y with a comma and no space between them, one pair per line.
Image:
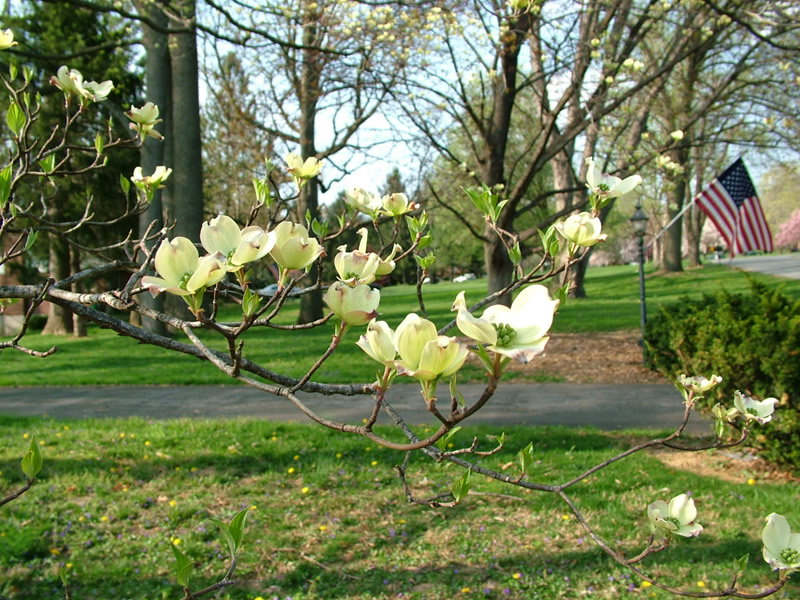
732,205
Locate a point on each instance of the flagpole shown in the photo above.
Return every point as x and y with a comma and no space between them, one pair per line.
668,225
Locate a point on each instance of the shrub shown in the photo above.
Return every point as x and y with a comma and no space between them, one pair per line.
752,341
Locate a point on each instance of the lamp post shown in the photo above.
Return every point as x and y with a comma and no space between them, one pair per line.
639,221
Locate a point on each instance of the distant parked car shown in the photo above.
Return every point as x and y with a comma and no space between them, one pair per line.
464,277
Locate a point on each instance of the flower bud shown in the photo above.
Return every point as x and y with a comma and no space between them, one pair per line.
424,354
378,343
581,229
396,205
293,248
353,305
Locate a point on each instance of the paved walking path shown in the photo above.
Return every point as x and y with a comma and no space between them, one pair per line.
603,406
780,265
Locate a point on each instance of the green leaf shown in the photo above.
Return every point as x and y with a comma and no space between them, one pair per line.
233,532
424,242
15,119
32,461
442,442
319,229
236,527
460,488
425,261
12,71
262,191
413,227
48,163
5,184
719,428
308,218
99,144
223,527
740,564
561,295
544,238
250,302
515,254
478,198
31,239
27,74
125,184
525,458
555,246
183,567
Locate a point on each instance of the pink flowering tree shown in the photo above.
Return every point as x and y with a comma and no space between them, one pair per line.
789,235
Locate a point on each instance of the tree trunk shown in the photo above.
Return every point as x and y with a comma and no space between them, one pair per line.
78,323
158,84
186,197
694,227
59,319
499,268
673,237
187,158
308,202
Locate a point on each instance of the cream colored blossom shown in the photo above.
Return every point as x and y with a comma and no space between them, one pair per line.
424,354
378,343
182,271
294,248
362,200
7,39
353,305
781,546
239,247
698,383
582,229
144,120
676,518
517,332
608,186
751,409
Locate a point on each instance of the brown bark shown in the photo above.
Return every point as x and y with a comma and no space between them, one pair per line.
59,319
309,93
78,323
153,152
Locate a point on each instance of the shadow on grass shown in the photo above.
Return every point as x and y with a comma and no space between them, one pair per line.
515,574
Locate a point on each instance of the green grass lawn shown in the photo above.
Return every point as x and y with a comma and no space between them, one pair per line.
105,358
329,518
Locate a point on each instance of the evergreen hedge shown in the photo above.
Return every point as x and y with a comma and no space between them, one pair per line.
753,341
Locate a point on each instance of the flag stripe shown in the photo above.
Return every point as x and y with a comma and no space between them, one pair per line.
731,202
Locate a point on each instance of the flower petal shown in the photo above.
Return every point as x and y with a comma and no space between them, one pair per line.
776,533
683,509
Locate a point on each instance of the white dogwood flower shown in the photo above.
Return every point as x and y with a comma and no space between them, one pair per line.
517,332
781,546
676,518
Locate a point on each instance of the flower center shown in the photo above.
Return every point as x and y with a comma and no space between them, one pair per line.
790,556
674,521
751,411
505,334
184,280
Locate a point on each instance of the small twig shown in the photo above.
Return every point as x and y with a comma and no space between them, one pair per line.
18,493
